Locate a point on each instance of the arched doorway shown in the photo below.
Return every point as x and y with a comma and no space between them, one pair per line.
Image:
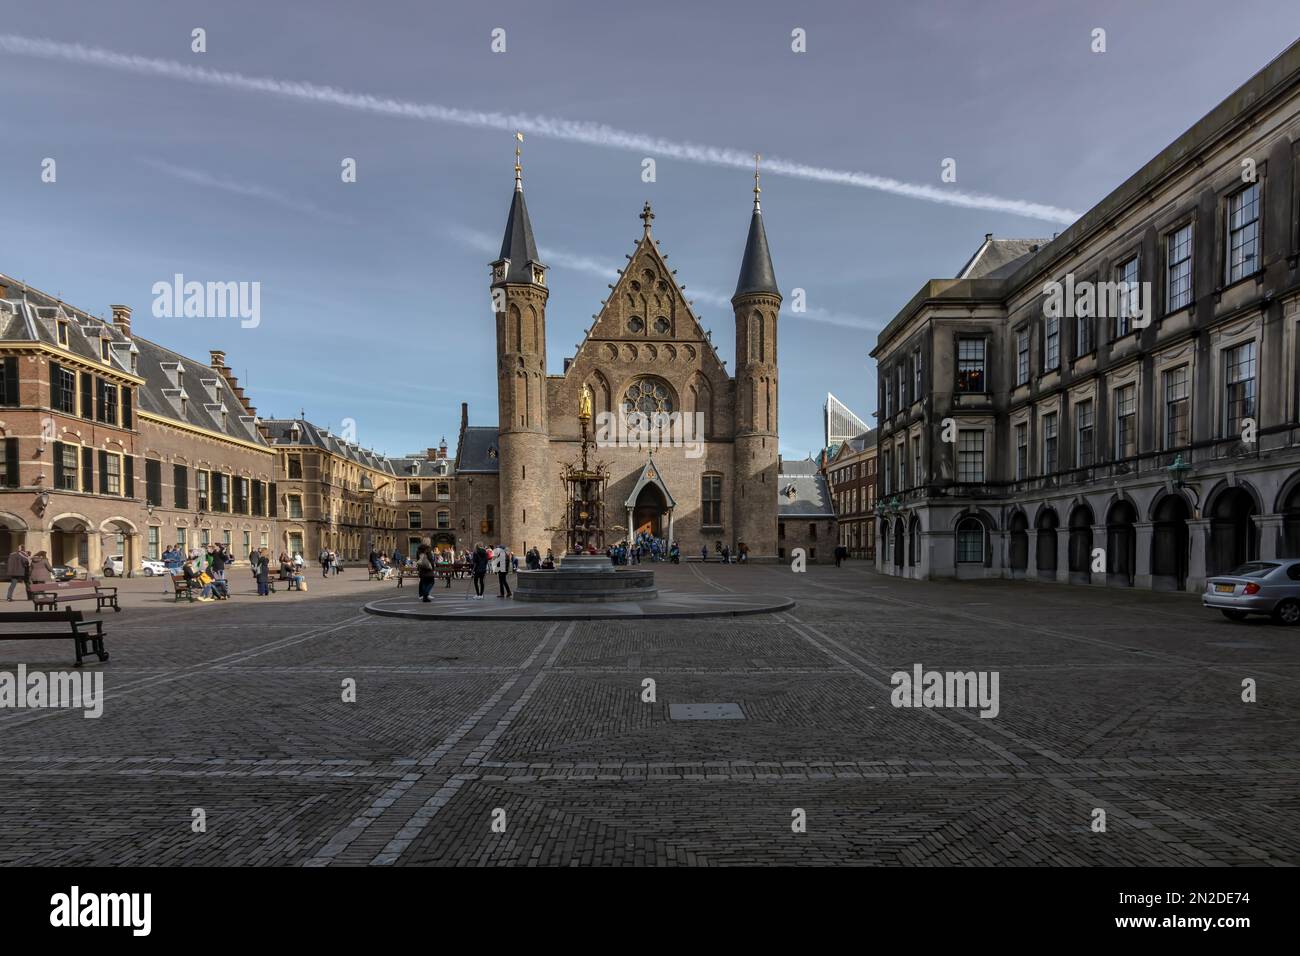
70,541
1080,546
971,542
1234,540
1046,526
1121,544
649,512
1290,509
899,552
1169,544
13,533
1018,545
117,539
914,542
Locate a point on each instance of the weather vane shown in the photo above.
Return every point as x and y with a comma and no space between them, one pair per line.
757,189
519,169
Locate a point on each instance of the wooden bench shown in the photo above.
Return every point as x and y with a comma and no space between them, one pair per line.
405,573
49,594
85,643
182,588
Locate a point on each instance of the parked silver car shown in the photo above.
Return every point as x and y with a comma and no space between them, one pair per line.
1257,587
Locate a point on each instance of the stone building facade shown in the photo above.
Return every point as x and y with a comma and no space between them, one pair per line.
805,514
644,352
333,493
1150,446
850,470
115,445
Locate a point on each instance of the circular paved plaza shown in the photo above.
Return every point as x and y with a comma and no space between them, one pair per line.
677,741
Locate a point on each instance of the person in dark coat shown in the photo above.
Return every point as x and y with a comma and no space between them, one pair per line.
263,574
427,570
480,567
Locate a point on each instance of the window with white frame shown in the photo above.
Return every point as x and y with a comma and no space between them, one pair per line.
1127,277
1022,451
1083,434
1126,421
1051,342
916,460
1178,407
1243,233
1178,269
889,396
1022,356
902,386
970,455
1083,335
1049,443
916,375
1239,386
970,365
900,455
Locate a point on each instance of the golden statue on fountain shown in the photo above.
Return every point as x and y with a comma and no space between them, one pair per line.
584,491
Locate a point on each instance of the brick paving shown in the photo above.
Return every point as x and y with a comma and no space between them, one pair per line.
1124,701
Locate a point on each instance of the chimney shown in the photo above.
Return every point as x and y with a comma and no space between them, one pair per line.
431,454
442,447
218,359
122,318
4,289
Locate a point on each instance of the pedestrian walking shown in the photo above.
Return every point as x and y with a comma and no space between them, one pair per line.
19,568
503,563
479,567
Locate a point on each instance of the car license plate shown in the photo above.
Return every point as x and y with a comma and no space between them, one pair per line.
1224,588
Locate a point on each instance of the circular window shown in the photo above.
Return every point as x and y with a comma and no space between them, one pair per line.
635,324
648,396
662,326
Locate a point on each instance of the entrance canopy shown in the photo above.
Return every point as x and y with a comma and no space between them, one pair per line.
650,476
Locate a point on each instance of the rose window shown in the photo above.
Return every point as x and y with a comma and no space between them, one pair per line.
648,396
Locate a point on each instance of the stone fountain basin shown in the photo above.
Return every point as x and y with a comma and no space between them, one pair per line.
586,578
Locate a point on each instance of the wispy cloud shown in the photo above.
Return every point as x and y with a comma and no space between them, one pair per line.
482,242
577,131
199,177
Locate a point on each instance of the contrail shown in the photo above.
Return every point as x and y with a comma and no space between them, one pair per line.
577,131
482,242
199,177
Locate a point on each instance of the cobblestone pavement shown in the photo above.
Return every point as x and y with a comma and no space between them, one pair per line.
1121,701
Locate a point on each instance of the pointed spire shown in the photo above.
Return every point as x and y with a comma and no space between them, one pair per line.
518,245
519,169
756,274
647,217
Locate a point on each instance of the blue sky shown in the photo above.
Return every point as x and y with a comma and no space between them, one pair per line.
374,294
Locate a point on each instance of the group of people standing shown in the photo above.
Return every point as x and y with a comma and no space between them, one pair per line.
429,562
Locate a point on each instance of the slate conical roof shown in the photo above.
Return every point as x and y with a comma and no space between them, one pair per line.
518,245
756,273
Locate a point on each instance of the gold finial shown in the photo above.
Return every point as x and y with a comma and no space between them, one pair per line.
757,189
519,169
584,404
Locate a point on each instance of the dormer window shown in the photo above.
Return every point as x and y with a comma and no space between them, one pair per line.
104,349
63,333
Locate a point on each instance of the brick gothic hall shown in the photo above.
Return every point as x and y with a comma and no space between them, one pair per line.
645,350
